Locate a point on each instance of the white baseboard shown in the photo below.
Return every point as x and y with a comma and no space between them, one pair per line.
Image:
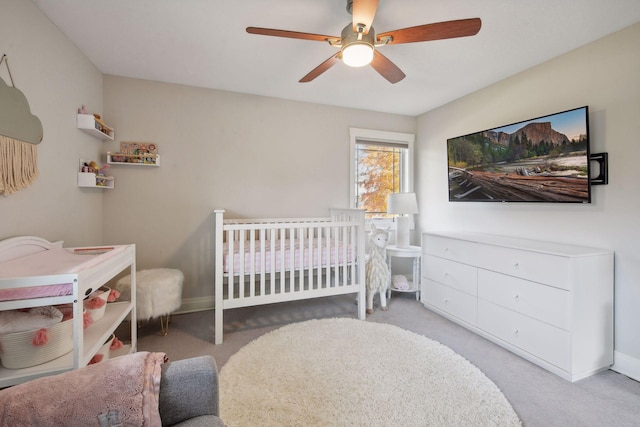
196,304
626,365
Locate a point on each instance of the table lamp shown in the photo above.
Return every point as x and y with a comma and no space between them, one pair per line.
402,204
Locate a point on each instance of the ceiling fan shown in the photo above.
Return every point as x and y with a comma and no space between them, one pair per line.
359,44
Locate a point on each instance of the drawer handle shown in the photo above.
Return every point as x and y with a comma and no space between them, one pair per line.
515,331
446,300
445,274
446,249
516,296
516,264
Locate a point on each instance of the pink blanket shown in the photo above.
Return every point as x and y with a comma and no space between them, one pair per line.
125,388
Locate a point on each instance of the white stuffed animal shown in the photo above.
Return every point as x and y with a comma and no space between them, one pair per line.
378,275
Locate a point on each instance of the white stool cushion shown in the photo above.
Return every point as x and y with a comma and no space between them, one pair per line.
158,291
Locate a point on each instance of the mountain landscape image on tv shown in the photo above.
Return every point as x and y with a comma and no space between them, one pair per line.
545,159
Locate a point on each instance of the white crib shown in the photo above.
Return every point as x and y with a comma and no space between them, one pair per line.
264,261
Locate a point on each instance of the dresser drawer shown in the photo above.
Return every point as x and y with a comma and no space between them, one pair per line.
537,338
546,303
453,249
460,276
535,266
454,302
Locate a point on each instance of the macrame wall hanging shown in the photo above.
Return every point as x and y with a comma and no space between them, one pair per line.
20,134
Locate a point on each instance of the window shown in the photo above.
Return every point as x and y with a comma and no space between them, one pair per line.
381,163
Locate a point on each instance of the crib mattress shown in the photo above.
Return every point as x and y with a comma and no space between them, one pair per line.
47,263
307,257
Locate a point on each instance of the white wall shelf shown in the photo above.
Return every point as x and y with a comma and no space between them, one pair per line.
91,180
88,123
146,159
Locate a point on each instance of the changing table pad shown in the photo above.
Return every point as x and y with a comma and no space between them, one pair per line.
50,262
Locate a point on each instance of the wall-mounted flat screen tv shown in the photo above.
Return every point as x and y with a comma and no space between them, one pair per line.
545,159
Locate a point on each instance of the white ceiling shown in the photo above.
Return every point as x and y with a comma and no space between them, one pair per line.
204,43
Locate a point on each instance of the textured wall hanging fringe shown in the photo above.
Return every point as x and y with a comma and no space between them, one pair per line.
20,133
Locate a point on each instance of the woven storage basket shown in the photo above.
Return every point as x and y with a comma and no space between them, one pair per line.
17,351
97,313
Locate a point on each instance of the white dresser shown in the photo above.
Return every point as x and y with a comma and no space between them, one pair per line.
550,303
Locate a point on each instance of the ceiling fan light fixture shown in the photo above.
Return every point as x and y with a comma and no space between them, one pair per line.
357,47
357,54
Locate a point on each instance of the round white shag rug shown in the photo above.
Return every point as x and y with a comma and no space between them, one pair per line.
355,373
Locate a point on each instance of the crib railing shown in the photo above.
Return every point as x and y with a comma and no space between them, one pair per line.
262,261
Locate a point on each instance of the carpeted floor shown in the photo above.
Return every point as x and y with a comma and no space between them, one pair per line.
347,372
538,397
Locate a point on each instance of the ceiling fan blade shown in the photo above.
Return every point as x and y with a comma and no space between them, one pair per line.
386,68
363,12
437,31
290,34
321,68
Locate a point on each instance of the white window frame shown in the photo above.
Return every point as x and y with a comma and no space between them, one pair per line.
370,135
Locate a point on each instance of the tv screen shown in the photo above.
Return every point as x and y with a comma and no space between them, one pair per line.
545,159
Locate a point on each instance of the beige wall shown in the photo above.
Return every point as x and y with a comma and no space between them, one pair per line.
603,75
254,156
56,78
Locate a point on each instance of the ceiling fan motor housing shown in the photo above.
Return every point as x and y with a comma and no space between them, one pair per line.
350,6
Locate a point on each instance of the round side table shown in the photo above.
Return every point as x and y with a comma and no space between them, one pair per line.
414,252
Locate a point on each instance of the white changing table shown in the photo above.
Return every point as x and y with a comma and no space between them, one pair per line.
21,255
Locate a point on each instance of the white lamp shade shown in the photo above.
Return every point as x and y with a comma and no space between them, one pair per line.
402,203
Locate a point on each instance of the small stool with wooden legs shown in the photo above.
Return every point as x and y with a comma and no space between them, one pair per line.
158,294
